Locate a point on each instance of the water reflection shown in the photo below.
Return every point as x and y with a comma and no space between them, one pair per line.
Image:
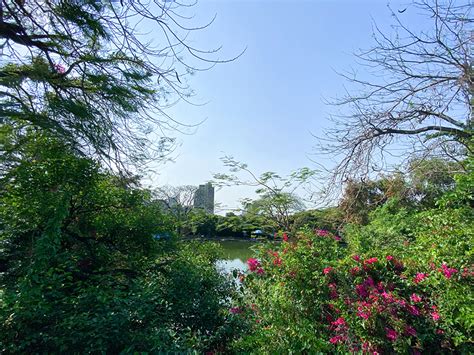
228,265
235,255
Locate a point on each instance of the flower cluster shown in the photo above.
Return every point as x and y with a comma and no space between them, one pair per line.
325,233
420,277
447,271
375,299
255,266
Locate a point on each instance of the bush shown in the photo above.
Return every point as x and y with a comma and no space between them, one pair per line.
80,270
313,296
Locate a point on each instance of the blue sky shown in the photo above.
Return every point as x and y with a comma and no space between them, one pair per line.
264,107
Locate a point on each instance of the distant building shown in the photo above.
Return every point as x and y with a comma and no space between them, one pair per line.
204,197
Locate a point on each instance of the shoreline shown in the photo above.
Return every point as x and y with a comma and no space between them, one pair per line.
229,239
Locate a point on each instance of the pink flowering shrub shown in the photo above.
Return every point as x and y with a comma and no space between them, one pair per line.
316,296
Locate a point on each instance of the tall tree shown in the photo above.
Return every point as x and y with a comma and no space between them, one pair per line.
83,71
178,201
278,197
419,99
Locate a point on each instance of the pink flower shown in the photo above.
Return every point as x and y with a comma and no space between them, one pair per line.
253,264
260,271
339,321
336,340
392,335
327,270
322,232
435,316
336,237
285,237
419,277
388,296
235,310
415,298
389,257
447,271
370,261
364,315
356,257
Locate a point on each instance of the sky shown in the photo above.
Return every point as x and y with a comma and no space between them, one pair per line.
265,107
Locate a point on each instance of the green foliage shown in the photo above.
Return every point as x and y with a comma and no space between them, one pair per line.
278,197
330,218
424,183
199,222
401,283
82,272
70,72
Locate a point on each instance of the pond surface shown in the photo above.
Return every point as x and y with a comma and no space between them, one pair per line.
235,256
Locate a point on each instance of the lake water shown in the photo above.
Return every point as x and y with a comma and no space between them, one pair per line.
235,255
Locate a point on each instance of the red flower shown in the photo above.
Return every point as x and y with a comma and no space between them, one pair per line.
419,277
327,270
277,261
260,271
336,237
285,237
356,257
389,257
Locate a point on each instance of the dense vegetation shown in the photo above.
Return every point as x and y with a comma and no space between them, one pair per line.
83,265
400,282
81,270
